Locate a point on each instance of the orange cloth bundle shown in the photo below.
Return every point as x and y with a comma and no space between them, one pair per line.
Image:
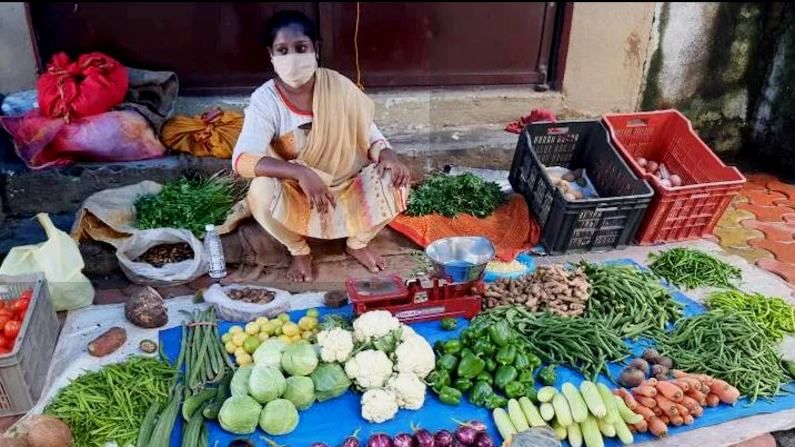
212,134
510,228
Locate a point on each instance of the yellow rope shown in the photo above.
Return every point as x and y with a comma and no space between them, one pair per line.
356,49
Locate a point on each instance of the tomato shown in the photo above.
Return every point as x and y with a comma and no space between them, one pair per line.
26,295
6,343
3,320
21,306
5,350
11,329
6,312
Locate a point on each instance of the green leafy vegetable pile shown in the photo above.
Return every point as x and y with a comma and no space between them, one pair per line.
188,203
450,195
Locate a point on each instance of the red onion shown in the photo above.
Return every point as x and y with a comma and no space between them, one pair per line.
483,440
319,444
479,427
423,438
456,443
465,434
443,438
352,440
403,440
379,440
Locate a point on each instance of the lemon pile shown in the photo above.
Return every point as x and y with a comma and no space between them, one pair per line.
243,341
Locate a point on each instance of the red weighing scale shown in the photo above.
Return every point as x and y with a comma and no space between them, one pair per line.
419,299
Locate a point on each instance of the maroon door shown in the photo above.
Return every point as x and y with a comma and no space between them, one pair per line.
215,47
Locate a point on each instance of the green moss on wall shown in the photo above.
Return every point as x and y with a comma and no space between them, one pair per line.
651,91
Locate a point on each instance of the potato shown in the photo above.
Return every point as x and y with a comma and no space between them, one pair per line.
555,179
652,166
570,197
569,177
642,161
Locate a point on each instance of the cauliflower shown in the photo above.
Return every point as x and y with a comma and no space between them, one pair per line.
374,324
335,345
379,405
415,355
409,390
369,369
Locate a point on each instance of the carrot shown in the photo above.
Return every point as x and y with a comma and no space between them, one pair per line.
670,391
692,381
641,427
658,411
659,426
676,421
667,406
678,373
705,389
646,412
718,386
628,399
681,384
681,409
646,401
645,391
700,397
689,403
713,400
651,381
729,396
689,419
698,411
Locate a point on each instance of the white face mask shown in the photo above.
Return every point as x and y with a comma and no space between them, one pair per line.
295,69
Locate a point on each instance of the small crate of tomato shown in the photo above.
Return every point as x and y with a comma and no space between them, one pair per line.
28,334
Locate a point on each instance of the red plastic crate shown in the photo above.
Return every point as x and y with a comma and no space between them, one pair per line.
692,210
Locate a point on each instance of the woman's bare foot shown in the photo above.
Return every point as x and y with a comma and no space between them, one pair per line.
300,269
369,259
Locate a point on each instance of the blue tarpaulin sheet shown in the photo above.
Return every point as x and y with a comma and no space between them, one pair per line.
332,421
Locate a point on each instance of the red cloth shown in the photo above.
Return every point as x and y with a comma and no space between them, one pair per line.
89,86
43,142
536,115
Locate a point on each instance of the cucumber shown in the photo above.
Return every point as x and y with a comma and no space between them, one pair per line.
606,428
562,410
546,394
560,431
623,433
503,423
592,399
193,403
575,435
531,413
579,411
591,434
547,411
610,403
626,414
516,415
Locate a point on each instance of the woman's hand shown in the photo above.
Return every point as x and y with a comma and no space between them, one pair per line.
320,198
388,161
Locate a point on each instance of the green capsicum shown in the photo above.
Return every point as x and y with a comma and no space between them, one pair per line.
450,396
514,389
500,333
506,355
470,365
491,365
447,362
485,377
535,362
439,379
449,324
479,392
547,375
495,401
521,362
462,384
526,376
531,393
505,374
452,346
484,347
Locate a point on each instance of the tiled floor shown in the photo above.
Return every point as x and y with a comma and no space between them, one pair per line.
760,225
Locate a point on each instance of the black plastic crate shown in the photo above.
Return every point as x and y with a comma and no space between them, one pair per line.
605,222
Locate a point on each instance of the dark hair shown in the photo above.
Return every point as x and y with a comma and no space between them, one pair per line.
285,19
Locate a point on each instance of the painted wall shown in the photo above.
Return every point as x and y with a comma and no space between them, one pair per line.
17,61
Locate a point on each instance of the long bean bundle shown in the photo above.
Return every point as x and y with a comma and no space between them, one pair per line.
629,300
727,345
202,353
109,405
583,343
693,268
773,314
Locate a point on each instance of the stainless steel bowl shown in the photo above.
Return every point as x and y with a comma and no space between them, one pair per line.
460,259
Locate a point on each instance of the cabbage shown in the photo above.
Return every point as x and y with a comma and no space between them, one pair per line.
269,353
239,415
279,417
266,384
300,391
330,381
239,384
299,359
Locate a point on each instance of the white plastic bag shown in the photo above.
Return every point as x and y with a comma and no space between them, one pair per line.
169,274
232,310
60,260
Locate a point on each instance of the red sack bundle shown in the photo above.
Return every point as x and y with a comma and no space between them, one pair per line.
89,86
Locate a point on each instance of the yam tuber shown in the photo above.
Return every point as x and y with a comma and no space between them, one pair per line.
108,342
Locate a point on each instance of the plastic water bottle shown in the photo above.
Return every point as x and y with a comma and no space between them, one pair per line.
215,252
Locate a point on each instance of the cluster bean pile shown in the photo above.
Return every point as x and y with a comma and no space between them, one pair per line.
693,268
